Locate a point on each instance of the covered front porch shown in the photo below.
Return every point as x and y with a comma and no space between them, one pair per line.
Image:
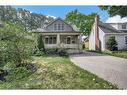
62,40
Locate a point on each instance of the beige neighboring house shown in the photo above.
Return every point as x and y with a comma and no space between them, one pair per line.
101,32
59,34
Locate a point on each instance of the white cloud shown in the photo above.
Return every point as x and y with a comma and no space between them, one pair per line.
50,16
116,19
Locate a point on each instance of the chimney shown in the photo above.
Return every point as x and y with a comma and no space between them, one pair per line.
97,40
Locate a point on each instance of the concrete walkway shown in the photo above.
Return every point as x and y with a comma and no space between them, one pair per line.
112,69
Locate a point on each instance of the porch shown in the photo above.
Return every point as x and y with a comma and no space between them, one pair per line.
62,40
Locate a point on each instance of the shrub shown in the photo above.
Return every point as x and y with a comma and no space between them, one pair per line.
15,45
52,51
39,53
18,73
57,51
62,52
40,43
28,66
111,44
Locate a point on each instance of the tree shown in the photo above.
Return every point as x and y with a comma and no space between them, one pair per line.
27,20
82,21
115,10
15,44
111,44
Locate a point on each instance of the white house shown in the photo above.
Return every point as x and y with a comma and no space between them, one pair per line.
100,33
59,34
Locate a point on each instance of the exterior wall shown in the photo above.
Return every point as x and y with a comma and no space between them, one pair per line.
120,38
66,26
102,39
92,39
118,26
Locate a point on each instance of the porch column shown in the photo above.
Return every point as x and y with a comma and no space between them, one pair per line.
80,41
58,39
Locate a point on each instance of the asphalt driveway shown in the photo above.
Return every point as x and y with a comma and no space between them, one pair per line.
112,69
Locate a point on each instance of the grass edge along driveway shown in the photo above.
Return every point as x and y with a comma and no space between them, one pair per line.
56,72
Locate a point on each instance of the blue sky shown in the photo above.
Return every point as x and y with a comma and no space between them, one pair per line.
61,11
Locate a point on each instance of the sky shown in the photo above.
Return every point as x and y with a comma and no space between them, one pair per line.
61,11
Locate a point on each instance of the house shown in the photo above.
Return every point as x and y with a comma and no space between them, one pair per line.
59,34
101,32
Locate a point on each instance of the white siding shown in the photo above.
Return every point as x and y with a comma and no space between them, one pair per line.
92,39
102,39
118,26
120,38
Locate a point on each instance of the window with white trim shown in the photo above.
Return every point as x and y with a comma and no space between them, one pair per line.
55,26
68,40
62,26
126,40
58,26
50,40
123,26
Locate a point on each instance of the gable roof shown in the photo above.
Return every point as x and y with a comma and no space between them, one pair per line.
107,28
72,26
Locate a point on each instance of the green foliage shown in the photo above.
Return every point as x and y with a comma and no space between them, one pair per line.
58,73
40,43
18,73
115,10
39,53
111,44
62,52
15,44
82,21
24,18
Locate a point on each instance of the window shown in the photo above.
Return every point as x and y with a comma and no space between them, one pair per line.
62,26
46,40
59,26
123,26
126,39
68,40
54,40
55,26
50,40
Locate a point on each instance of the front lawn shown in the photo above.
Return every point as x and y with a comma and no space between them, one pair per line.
122,54
57,73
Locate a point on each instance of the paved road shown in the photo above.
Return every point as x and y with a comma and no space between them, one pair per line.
112,69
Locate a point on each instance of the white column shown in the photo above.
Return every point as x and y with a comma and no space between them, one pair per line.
80,42
58,39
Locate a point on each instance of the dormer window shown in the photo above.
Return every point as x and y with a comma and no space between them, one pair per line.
55,26
62,26
123,26
58,26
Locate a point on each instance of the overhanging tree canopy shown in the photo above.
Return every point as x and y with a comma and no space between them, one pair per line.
115,10
82,21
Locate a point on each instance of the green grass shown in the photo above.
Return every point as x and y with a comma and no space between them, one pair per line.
122,54
58,73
